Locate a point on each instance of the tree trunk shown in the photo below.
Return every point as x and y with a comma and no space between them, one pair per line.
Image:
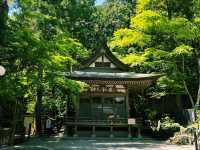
3,20
198,95
190,96
196,141
185,85
169,10
198,100
38,124
12,135
3,13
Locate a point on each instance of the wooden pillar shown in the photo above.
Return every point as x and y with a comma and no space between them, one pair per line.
127,103
92,114
129,131
66,118
77,107
66,130
128,113
102,104
91,103
132,110
139,133
111,131
93,131
140,120
77,116
75,131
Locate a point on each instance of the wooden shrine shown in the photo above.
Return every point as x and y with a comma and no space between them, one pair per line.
105,109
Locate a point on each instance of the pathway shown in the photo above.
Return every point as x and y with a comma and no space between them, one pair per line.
57,143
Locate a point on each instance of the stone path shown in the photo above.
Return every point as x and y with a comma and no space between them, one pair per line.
57,143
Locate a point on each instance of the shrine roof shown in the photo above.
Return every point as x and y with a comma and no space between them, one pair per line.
106,66
112,75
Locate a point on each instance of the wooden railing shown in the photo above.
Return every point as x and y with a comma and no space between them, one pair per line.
72,125
103,122
85,120
4,136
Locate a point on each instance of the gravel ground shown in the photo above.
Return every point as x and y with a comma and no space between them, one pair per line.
58,143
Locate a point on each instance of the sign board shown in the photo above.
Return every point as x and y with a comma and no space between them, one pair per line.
131,121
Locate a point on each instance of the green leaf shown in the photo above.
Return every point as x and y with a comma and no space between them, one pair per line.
182,50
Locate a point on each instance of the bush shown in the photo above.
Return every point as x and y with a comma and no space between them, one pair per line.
167,128
181,139
168,124
185,136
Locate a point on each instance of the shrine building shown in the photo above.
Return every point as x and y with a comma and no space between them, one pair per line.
106,109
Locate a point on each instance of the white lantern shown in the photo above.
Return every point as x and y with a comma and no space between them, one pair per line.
2,70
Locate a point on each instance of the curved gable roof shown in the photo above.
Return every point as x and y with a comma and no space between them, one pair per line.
106,52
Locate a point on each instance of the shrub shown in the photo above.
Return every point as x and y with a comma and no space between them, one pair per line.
167,128
181,139
169,124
